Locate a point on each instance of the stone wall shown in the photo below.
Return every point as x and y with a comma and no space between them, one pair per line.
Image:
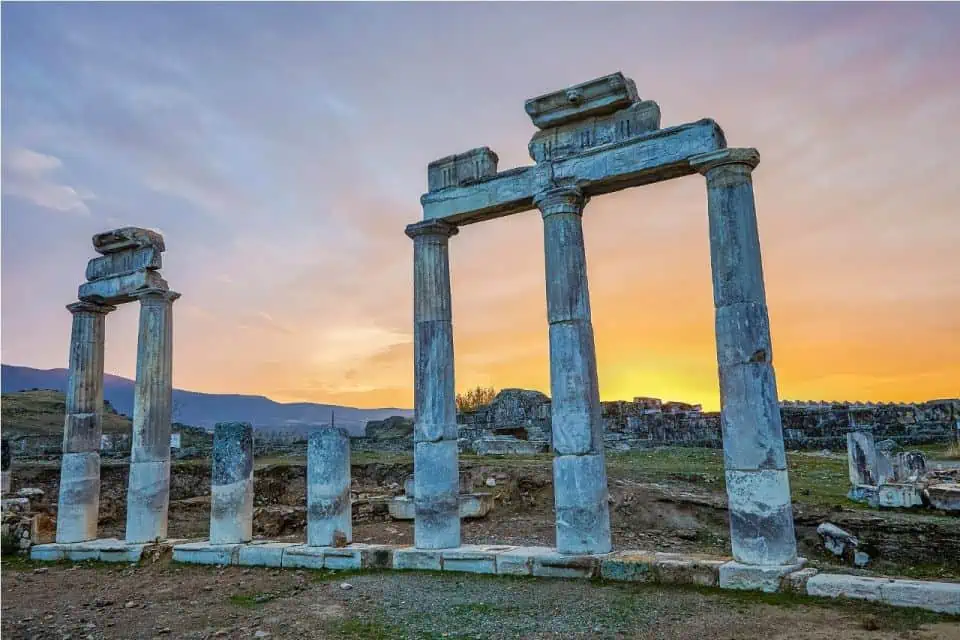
646,422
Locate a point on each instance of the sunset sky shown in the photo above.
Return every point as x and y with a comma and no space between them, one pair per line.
282,148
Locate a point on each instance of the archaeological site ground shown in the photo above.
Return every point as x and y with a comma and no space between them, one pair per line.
530,516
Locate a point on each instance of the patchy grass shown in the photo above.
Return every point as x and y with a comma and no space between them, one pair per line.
364,630
41,412
939,451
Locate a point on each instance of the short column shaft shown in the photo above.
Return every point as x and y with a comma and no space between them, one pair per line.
436,473
329,513
231,484
758,487
148,491
580,483
79,498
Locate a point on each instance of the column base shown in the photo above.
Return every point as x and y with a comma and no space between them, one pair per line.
582,509
761,517
148,498
748,577
436,505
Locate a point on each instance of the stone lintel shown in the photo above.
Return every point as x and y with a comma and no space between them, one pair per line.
124,238
462,169
653,157
592,98
745,156
580,135
120,289
431,228
90,307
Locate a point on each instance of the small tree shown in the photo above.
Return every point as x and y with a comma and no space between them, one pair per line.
475,399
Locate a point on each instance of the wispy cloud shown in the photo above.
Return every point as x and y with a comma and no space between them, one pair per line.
30,175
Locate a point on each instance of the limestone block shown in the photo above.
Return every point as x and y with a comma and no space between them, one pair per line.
359,556
761,517
831,585
943,597
461,169
944,496
629,566
52,552
837,541
519,561
575,137
329,516
899,496
206,553
473,558
148,493
303,557
475,505
796,582
648,158
577,424
79,499
743,334
263,553
231,484
588,99
750,418
581,503
119,289
865,493
124,262
745,577
412,558
125,238
559,565
434,391
862,457
437,505
675,568
401,508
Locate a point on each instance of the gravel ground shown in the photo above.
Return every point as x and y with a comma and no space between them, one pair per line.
176,601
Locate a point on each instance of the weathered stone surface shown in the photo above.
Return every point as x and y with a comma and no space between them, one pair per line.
329,515
585,100
127,238
576,418
148,498
943,597
862,457
231,484
434,391
796,582
120,289
944,496
629,566
437,505
734,575
473,558
675,568
837,541
79,498
743,335
263,554
750,418
653,157
206,553
358,556
578,136
461,169
471,505
303,557
124,262
519,561
899,495
555,564
102,550
833,586
414,558
581,501
761,517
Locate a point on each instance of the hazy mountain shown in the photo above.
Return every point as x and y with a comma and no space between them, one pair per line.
206,409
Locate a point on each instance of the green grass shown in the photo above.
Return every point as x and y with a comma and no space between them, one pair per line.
42,413
939,451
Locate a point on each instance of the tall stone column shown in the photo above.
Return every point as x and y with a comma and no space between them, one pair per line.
329,513
435,460
758,489
231,484
79,499
579,471
148,491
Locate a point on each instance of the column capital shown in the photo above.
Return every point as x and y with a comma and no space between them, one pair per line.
154,294
560,200
90,307
431,228
705,162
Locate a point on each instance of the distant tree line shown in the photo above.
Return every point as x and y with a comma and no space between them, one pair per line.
475,399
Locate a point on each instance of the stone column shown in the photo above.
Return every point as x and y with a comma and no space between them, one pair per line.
231,484
6,461
579,471
435,459
329,515
148,491
79,499
758,489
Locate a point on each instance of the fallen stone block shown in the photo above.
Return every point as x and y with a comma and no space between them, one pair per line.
263,553
899,496
412,558
796,582
206,553
734,575
127,238
944,496
629,566
942,597
675,568
831,585
302,556
836,540
864,493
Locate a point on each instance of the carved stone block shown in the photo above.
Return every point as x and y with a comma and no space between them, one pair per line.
126,238
461,169
593,98
577,136
123,262
120,288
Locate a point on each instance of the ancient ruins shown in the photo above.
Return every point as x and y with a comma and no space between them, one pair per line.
128,270
593,138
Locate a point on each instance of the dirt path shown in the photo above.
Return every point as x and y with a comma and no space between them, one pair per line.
175,601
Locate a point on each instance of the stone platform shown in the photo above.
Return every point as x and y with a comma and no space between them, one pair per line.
653,567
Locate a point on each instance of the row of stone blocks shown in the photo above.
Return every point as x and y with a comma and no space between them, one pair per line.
623,566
